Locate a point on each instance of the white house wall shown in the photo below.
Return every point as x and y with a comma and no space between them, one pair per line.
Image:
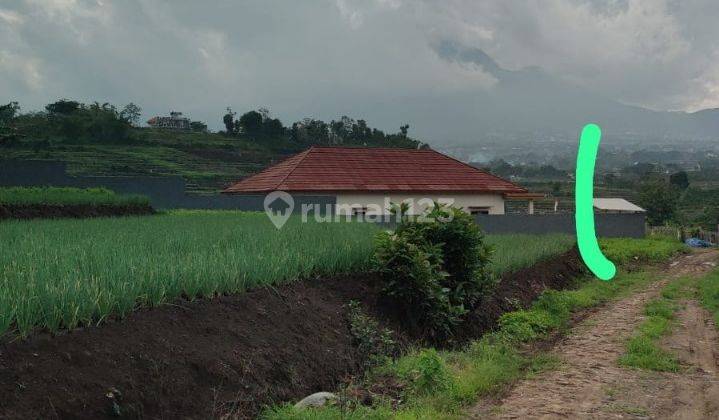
345,202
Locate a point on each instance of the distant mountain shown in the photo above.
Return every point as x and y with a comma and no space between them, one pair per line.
532,102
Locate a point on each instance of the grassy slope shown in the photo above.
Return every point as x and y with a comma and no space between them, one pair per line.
441,384
206,161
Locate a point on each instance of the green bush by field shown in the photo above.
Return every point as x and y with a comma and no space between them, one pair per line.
59,196
61,273
434,268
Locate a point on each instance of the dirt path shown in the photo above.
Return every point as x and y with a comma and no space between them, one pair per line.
589,382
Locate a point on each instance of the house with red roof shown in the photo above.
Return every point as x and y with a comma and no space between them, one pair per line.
365,180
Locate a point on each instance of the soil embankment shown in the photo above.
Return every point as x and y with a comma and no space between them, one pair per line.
233,353
79,211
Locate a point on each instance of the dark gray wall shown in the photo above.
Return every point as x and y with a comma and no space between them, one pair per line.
606,225
167,192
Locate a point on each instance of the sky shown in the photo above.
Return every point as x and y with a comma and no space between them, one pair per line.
327,58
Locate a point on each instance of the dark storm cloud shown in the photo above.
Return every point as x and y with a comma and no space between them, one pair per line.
362,58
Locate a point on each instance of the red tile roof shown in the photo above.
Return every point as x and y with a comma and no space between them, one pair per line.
346,169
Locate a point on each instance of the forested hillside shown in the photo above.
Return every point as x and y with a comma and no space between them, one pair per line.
100,139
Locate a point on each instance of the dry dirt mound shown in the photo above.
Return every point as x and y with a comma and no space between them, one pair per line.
590,384
200,359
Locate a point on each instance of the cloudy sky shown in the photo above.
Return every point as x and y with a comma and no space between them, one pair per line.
325,58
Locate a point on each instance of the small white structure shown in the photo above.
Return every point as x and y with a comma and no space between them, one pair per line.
616,205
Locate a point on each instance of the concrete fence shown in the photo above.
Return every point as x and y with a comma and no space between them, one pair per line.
164,192
629,225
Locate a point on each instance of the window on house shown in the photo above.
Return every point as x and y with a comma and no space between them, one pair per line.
359,211
478,210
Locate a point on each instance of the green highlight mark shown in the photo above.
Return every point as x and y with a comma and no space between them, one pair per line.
584,205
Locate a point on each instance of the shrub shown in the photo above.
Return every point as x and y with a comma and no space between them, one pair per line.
435,267
465,254
412,276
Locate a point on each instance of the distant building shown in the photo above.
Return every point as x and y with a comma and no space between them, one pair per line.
616,205
174,122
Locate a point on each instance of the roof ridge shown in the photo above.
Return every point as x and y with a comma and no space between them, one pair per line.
476,169
358,147
306,153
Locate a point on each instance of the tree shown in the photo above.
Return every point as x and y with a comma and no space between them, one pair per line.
8,112
660,200
404,129
251,123
680,180
8,133
229,120
198,126
131,114
63,107
272,127
710,218
265,114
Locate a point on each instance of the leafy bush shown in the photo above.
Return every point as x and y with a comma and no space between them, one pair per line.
412,276
435,267
464,252
374,345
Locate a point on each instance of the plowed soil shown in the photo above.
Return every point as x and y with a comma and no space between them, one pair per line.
591,384
231,354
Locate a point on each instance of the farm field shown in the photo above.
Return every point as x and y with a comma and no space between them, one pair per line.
63,273
512,252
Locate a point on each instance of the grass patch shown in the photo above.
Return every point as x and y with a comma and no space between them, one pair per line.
59,196
709,293
642,349
624,250
440,384
508,256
